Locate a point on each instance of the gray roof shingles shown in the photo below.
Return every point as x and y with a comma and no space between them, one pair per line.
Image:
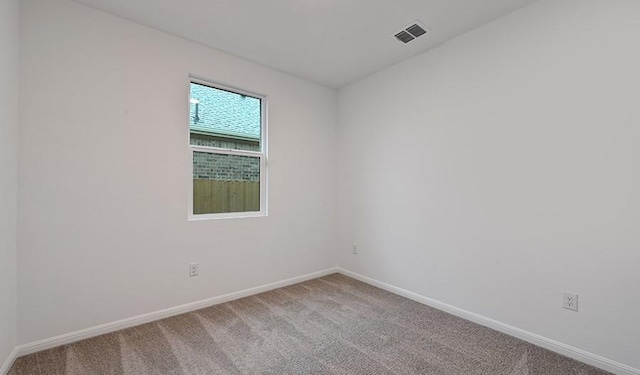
225,113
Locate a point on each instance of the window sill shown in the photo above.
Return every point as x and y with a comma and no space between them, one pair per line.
229,215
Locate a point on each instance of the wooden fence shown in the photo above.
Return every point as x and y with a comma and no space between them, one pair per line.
212,197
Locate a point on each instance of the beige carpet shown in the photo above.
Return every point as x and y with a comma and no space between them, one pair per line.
331,325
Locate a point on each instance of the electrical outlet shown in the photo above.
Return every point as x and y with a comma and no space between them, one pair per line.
354,249
193,269
570,301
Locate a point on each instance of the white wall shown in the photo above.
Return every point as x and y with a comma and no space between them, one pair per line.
501,169
9,56
104,172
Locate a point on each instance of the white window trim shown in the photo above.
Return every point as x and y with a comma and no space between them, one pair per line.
259,154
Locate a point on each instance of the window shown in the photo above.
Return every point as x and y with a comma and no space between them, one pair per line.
227,147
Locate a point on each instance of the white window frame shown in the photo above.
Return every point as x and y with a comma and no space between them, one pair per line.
262,154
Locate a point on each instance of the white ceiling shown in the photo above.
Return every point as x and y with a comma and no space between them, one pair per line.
332,42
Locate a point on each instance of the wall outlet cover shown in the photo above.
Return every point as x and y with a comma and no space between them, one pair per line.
193,269
570,301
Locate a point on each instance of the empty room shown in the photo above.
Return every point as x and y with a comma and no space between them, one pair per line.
320,187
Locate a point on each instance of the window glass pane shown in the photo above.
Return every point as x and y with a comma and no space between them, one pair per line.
225,183
224,119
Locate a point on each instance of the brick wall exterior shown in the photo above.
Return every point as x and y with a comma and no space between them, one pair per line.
225,167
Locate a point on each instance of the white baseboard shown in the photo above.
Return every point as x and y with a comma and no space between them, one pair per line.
102,329
4,370
558,347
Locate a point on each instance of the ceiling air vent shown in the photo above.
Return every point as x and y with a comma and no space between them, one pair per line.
411,32
404,37
416,30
